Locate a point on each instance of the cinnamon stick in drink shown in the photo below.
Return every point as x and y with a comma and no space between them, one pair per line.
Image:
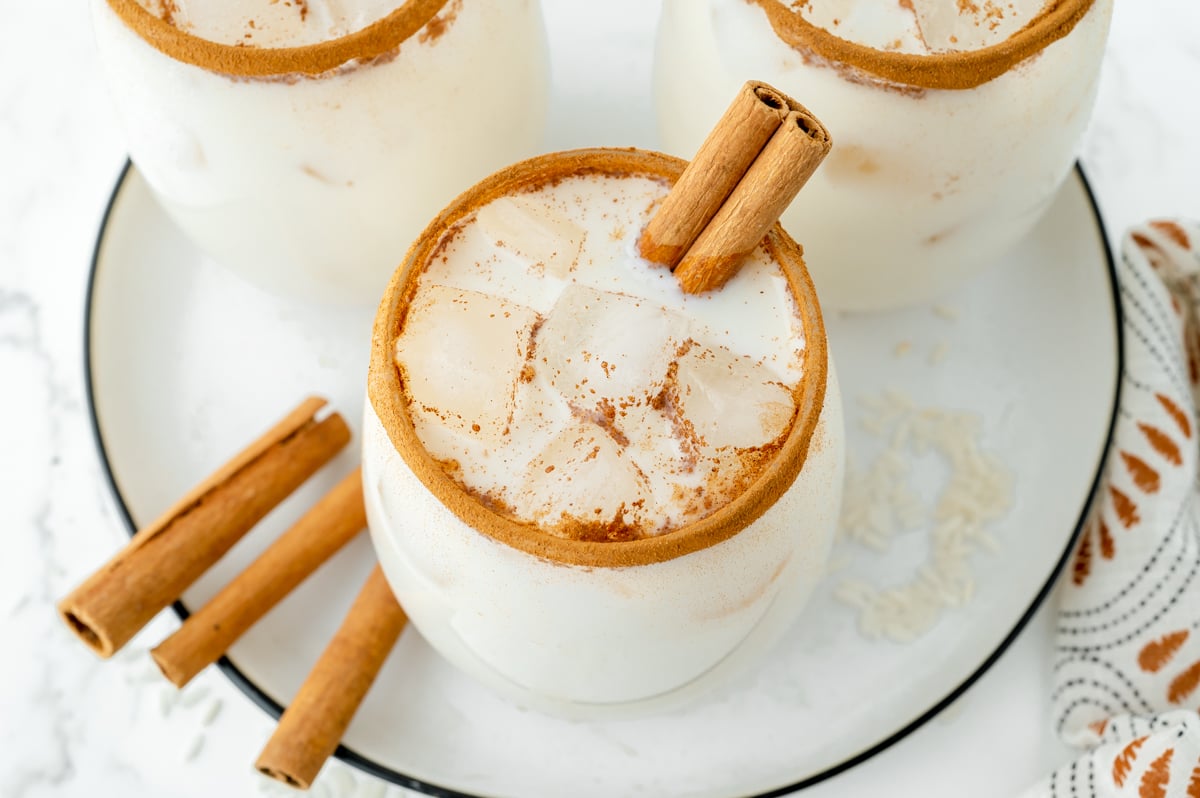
164,558
764,192
747,125
317,536
309,730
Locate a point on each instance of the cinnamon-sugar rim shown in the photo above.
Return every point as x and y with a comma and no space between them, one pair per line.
379,38
956,70
388,399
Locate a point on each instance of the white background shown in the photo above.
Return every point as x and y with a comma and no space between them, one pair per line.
72,726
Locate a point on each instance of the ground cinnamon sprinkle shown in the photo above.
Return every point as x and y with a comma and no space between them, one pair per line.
604,417
170,11
614,530
438,26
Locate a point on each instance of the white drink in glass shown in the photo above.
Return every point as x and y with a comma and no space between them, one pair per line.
954,123
305,143
589,490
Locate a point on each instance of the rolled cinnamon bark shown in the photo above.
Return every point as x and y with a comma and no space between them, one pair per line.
718,166
317,536
163,559
309,731
768,187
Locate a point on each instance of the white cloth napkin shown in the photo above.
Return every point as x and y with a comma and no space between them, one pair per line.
1127,664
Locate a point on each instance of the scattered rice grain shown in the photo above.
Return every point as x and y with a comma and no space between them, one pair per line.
168,697
210,714
837,563
268,786
192,697
872,426
880,499
194,749
146,673
129,654
372,788
339,782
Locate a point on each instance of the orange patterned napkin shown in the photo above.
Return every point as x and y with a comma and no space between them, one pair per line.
1127,664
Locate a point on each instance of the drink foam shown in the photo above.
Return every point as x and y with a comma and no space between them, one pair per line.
270,23
921,26
565,382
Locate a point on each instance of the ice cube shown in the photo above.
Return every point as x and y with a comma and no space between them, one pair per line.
598,346
535,231
971,24
889,26
581,473
664,450
731,400
461,353
923,26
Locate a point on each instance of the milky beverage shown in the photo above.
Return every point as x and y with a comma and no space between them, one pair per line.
304,143
616,459
957,122
589,395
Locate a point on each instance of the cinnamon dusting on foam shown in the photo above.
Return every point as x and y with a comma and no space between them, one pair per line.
766,472
914,72
667,402
604,418
375,44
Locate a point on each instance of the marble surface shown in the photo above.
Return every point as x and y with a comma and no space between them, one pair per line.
70,725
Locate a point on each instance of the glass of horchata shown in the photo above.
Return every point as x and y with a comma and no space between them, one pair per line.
593,492
957,122
305,143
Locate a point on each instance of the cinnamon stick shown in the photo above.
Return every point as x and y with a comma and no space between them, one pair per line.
768,187
167,556
317,536
722,160
309,731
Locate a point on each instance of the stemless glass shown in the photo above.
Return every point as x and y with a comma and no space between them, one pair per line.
941,161
583,627
309,169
